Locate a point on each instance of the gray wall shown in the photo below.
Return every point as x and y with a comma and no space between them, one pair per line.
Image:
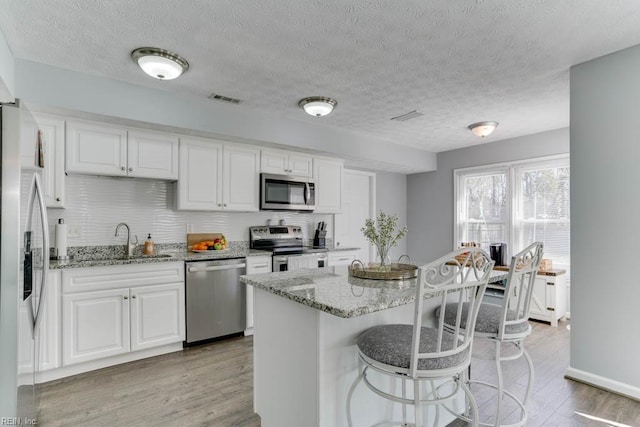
605,152
430,195
391,197
7,71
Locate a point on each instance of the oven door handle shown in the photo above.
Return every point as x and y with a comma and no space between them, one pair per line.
216,268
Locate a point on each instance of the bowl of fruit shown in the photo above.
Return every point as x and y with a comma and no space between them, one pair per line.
217,244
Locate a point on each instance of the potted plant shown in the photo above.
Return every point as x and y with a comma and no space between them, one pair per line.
382,233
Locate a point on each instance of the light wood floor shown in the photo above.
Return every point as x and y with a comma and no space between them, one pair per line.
212,385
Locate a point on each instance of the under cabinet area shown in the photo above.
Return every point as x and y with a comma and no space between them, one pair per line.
215,176
102,149
111,311
286,163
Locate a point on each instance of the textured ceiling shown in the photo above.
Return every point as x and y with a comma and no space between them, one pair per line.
456,61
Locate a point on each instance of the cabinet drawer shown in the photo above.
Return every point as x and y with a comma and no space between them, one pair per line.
345,258
121,276
257,265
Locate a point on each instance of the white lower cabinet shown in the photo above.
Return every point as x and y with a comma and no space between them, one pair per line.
110,311
549,300
157,315
255,265
95,325
341,258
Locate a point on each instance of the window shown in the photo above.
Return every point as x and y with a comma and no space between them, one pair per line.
484,211
516,203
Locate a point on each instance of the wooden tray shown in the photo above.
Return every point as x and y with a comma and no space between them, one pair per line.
397,271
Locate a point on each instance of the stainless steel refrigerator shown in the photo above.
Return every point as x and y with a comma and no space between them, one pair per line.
24,261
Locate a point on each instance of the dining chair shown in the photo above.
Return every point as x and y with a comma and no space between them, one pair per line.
506,323
425,353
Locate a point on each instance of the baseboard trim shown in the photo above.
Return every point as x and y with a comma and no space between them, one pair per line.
92,365
603,383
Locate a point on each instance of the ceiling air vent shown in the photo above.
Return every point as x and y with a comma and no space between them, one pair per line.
407,116
222,98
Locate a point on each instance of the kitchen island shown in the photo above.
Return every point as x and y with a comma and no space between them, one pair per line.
305,358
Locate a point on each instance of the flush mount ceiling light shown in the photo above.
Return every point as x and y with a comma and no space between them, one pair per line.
483,129
318,105
159,63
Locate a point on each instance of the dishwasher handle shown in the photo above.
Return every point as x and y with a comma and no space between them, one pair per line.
216,268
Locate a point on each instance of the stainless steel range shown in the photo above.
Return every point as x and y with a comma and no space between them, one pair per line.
286,244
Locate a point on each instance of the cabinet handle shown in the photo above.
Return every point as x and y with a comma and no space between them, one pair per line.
130,169
133,296
219,204
126,297
261,266
57,199
225,205
122,168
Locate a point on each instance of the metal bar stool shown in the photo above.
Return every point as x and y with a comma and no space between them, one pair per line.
507,324
425,354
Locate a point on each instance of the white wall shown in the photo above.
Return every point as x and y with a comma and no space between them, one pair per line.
391,197
7,72
56,88
605,154
430,210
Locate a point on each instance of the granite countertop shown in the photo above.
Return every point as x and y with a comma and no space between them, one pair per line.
163,256
333,291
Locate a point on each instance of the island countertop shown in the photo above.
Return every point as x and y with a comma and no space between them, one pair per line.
333,291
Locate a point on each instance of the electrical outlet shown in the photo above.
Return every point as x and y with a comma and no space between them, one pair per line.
74,230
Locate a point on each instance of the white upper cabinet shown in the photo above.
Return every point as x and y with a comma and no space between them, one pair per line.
240,178
286,163
200,178
328,176
215,175
102,149
152,155
95,148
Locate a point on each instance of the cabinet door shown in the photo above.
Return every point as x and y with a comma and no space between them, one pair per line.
255,265
540,299
274,161
200,179
300,165
157,315
240,178
94,325
95,148
152,155
328,176
53,146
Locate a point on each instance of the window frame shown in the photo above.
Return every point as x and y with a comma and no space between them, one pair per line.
512,168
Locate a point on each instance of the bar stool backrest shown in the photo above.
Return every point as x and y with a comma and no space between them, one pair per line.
460,276
519,288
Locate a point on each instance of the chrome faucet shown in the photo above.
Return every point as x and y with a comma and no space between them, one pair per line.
129,246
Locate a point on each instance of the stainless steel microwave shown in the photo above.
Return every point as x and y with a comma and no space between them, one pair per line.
288,193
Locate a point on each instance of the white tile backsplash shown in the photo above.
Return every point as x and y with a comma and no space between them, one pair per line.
95,205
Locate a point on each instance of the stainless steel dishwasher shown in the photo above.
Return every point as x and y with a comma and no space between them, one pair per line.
215,298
